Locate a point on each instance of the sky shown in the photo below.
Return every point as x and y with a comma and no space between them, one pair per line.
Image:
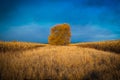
31,20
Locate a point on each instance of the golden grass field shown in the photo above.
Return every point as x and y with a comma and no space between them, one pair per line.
112,46
25,61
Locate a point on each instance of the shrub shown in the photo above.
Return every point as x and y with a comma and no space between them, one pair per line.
60,35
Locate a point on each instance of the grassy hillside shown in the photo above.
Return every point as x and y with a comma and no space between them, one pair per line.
57,63
18,46
112,46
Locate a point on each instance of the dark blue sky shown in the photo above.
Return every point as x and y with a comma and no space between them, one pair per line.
31,20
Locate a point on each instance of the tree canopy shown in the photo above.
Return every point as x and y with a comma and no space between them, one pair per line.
60,35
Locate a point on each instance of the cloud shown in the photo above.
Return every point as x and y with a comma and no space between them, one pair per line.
32,32
92,33
39,33
34,18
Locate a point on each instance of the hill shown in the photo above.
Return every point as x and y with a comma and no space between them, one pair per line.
18,46
112,46
57,63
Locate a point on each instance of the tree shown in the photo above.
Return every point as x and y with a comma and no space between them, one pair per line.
60,35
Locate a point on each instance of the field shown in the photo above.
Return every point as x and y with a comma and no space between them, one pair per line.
18,46
112,46
33,61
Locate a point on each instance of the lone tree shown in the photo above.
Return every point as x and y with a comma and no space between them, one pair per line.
60,35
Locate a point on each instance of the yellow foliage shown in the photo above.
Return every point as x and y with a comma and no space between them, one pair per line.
60,35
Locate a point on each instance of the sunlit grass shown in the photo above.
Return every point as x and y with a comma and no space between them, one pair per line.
18,46
58,63
112,46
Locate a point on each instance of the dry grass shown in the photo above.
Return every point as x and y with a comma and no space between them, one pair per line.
18,46
112,46
60,63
